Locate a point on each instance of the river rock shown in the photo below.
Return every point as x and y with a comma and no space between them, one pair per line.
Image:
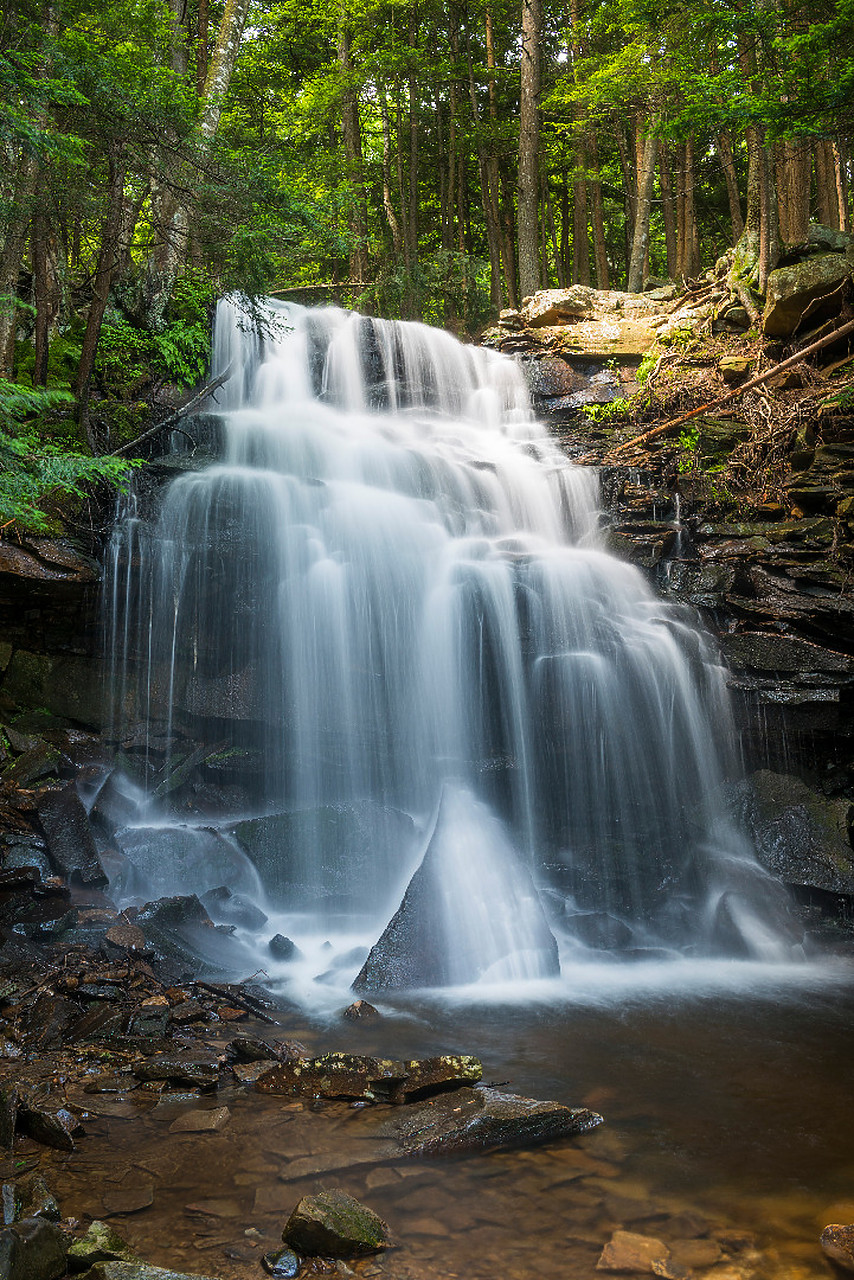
134,1269
334,1225
32,1249
791,289
282,1263
52,1125
484,1119
33,1198
100,1244
233,908
361,1011
203,1073
347,1075
627,1251
801,835
427,945
837,1241
213,1120
282,948
8,1115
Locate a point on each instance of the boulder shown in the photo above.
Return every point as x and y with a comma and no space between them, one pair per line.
443,933
70,686
282,948
100,1244
70,842
766,651
233,908
32,1249
791,289
556,306
837,1241
801,835
282,1263
361,1011
334,1225
469,1121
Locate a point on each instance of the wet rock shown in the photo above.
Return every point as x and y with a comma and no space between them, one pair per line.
484,1119
837,1241
33,1198
282,1263
233,908
54,1126
283,948
32,1249
334,1225
182,932
8,1115
627,1251
136,1270
734,369
40,762
422,947
201,1072
161,863
100,1244
763,651
70,686
126,939
600,930
128,1199
211,1121
346,1075
790,290
361,1011
70,842
801,835
695,1253
253,1049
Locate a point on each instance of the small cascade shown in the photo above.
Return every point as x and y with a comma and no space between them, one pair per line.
376,651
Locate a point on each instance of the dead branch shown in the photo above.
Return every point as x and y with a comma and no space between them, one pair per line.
666,427
169,422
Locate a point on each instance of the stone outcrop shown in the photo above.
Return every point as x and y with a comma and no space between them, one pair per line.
795,291
335,1225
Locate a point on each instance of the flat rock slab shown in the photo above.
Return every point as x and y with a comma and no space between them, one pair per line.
474,1120
135,1270
347,1075
128,1199
211,1120
628,1251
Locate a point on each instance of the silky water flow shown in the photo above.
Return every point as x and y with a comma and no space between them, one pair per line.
384,681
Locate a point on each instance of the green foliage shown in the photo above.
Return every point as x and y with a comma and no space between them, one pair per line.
614,411
33,469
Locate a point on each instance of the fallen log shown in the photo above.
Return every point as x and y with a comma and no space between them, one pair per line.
168,423
673,423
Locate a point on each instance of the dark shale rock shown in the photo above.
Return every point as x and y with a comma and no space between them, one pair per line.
46,1122
8,1115
233,908
201,1072
412,951
334,1225
33,1198
484,1119
40,762
361,1011
283,948
32,1249
767,652
800,835
70,842
837,1241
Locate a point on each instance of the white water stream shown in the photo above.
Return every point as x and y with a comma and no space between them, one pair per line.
386,616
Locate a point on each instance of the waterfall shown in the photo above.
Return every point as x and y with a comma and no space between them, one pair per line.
381,675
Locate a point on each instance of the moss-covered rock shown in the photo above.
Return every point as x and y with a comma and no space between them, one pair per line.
334,1225
791,289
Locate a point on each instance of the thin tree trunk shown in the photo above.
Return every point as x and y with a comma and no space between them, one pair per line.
668,209
597,209
351,134
488,195
827,195
388,206
640,242
529,145
108,259
41,296
840,164
723,146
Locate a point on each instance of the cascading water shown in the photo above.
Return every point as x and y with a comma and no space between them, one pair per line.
378,644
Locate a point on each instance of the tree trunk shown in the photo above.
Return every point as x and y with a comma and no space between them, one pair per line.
388,205
723,146
841,167
640,241
597,209
668,209
488,195
351,135
108,259
43,297
793,161
529,145
827,195
580,235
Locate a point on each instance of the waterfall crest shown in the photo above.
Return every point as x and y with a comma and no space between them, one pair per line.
384,616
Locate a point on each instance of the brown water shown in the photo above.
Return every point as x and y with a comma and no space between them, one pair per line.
729,1123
